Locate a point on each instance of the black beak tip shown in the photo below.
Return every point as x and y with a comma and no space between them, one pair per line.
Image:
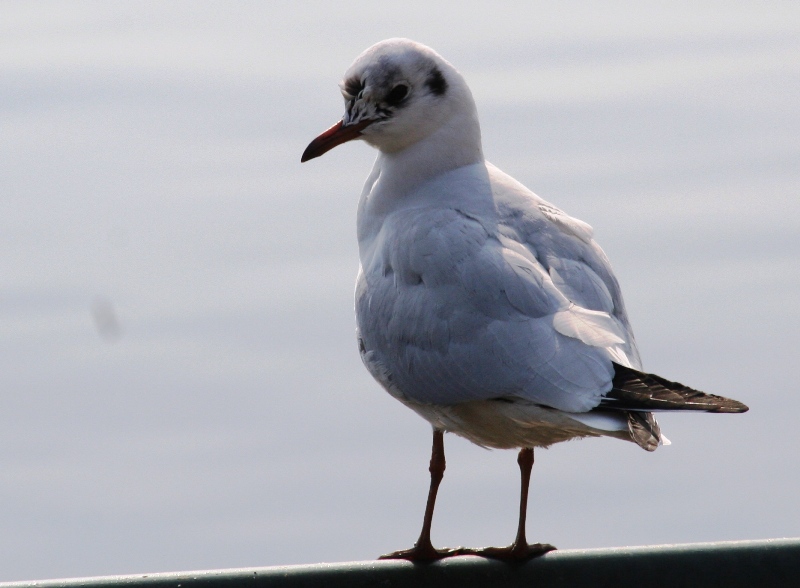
336,135
307,155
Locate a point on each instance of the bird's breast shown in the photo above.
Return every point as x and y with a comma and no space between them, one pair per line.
427,324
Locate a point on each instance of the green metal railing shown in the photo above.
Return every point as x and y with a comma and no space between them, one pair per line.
770,563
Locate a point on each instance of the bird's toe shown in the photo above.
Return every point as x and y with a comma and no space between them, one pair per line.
513,553
423,554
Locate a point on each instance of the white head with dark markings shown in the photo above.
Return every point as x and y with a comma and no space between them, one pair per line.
397,93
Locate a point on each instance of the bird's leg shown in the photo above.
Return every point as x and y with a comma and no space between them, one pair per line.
436,468
525,461
520,550
423,550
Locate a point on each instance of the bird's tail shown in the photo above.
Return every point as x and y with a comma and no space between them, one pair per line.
638,394
644,430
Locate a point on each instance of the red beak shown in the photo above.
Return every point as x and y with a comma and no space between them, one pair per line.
336,135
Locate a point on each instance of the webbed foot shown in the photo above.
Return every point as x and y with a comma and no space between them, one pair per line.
513,553
424,553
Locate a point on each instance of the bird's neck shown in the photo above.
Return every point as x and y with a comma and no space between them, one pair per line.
453,145
410,177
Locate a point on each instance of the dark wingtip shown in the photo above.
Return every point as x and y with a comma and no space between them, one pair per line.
635,390
732,406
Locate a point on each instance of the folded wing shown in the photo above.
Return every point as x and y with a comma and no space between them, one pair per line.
633,390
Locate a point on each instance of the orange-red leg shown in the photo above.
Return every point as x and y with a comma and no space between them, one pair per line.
519,550
423,549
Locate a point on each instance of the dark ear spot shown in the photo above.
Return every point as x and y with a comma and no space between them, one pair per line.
436,82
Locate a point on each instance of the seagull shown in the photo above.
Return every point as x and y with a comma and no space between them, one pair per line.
482,307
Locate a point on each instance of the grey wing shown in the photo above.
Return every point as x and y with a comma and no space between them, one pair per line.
565,247
455,306
570,350
460,312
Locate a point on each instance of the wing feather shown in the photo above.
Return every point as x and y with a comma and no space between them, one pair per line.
638,391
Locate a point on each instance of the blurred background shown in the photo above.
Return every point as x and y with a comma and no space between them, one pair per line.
179,382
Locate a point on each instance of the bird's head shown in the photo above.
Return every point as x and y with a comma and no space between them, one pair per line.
396,93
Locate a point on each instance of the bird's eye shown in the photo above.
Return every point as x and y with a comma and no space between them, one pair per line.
397,94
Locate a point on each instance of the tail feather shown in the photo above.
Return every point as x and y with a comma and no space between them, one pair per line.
633,390
644,430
